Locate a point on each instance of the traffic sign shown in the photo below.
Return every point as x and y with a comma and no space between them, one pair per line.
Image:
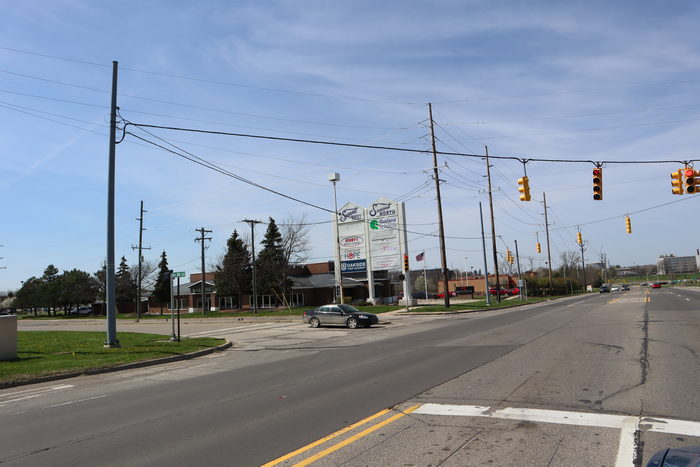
179,274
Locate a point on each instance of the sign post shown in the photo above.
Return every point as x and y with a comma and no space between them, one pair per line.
178,275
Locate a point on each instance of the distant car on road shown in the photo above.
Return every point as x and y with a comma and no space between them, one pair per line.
604,289
339,315
625,287
655,285
614,288
82,310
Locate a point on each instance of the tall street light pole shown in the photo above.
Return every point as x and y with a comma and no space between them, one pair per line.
334,178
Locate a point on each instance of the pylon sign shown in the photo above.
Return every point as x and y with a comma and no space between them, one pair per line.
352,238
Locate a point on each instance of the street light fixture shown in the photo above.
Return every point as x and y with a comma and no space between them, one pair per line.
334,178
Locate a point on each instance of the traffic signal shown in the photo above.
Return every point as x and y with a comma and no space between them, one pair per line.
405,262
524,188
628,224
538,247
509,256
579,239
677,182
597,184
689,178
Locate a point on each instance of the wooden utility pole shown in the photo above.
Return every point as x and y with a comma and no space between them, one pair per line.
202,238
493,228
252,223
443,257
139,277
549,251
110,283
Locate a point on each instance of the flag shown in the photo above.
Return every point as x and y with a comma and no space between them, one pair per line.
420,256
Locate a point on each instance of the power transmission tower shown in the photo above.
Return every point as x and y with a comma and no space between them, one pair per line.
443,257
139,277
202,238
252,223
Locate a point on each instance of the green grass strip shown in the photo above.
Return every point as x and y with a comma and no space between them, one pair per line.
43,353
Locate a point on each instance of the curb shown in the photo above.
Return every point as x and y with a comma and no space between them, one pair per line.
123,366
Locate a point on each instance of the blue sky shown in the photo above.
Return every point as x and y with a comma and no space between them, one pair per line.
596,81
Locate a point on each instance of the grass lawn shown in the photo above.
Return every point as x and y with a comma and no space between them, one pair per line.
479,305
44,353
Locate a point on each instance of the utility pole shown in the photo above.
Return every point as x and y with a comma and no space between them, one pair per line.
520,281
139,276
583,266
493,227
443,256
549,251
202,238
486,268
252,223
111,289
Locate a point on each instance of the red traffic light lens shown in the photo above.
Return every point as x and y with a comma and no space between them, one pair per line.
596,172
689,172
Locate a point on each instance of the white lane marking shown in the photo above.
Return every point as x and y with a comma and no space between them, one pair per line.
627,449
628,425
252,327
32,393
79,400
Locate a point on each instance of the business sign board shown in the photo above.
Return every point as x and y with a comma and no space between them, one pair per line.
384,235
354,266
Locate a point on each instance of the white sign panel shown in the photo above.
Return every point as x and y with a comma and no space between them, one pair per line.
384,243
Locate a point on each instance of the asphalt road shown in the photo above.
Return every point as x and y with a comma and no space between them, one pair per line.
596,380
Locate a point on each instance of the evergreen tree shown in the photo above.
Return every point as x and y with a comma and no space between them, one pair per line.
161,291
49,290
270,264
125,284
234,277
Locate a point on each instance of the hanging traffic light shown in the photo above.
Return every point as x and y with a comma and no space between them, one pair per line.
598,183
677,182
579,238
689,179
524,188
405,262
509,256
628,224
538,247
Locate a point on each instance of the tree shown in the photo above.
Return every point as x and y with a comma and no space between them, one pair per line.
295,239
125,284
29,295
271,266
569,262
161,289
78,288
234,276
50,288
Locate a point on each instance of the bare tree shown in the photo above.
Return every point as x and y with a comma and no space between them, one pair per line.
295,239
569,261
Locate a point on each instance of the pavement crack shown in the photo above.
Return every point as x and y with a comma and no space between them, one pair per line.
554,454
454,453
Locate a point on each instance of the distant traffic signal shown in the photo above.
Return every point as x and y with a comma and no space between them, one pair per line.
598,184
524,188
538,247
509,256
405,262
689,179
579,238
628,224
677,182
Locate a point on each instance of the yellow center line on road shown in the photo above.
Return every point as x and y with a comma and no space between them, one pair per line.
326,438
354,438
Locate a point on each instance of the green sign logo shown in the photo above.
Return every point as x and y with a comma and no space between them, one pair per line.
374,224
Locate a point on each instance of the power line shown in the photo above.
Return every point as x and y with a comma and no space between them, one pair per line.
389,148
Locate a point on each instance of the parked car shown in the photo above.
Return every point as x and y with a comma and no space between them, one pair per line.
655,285
82,310
340,315
604,289
493,291
513,291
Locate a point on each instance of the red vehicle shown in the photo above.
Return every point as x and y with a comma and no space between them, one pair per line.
655,285
513,291
493,291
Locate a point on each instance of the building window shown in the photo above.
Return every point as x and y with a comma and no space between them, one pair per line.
226,303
